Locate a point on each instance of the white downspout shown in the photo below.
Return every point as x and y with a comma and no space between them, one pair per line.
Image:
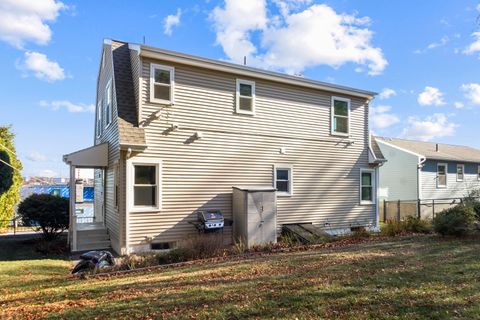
421,162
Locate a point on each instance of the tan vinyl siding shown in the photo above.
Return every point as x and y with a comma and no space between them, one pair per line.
241,150
110,135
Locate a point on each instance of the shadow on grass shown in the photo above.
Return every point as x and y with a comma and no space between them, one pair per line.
405,278
31,247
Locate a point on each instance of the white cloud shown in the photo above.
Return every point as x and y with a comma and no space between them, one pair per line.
432,127
47,173
443,41
42,67
458,105
296,40
69,106
36,156
472,92
431,96
171,21
26,20
474,46
380,118
387,93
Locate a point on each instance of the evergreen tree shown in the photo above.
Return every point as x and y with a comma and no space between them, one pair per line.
10,178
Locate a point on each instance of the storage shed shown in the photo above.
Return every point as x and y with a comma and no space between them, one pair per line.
255,215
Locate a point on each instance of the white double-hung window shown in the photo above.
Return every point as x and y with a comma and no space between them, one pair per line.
245,97
340,111
460,172
442,169
283,179
108,104
162,81
145,183
99,119
367,186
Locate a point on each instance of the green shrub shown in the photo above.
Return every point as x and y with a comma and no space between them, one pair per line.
456,221
473,200
48,213
392,228
417,225
411,224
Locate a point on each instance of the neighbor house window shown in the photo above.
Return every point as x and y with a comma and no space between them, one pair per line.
161,84
478,172
144,178
245,97
99,118
367,186
460,172
442,175
283,180
108,104
340,116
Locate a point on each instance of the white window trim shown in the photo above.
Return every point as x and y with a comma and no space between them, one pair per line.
99,124
374,187
131,163
446,176
237,97
463,171
288,167
332,117
108,96
152,84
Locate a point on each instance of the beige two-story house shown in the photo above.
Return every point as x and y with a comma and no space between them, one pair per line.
175,132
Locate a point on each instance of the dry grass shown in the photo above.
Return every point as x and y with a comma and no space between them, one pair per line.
404,278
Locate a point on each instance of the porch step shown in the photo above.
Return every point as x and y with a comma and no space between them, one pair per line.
94,246
93,238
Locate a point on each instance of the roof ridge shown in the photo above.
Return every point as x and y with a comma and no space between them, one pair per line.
429,142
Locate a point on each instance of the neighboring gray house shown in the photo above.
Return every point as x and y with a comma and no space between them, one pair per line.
425,171
175,132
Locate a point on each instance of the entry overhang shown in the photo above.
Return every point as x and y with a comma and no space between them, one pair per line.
93,157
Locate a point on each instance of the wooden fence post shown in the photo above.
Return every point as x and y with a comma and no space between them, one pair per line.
433,208
419,208
398,210
384,210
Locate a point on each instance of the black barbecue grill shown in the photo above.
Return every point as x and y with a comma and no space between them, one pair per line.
209,220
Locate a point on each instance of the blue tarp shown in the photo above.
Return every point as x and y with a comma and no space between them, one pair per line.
62,191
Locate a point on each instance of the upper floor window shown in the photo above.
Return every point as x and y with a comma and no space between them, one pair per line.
460,172
108,104
442,169
161,84
340,116
99,118
245,97
367,186
283,179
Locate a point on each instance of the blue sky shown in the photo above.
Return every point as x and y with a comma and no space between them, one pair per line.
422,55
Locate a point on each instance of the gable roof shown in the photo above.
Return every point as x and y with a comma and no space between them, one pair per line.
130,133
211,64
446,152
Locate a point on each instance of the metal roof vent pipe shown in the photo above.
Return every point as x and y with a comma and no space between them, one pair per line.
437,147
